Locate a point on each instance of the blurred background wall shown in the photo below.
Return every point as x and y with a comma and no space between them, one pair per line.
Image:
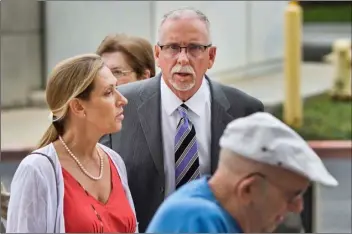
21,50
37,35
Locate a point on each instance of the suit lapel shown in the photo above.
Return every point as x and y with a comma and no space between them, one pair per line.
149,114
150,117
219,119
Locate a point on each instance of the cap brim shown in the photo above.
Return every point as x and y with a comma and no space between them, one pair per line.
328,181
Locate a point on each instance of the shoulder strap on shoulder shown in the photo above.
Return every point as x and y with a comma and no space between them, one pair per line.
57,184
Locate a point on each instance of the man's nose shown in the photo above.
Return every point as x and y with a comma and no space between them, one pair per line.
182,58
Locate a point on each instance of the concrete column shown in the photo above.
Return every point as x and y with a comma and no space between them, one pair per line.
20,51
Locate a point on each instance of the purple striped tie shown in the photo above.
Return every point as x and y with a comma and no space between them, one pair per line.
186,150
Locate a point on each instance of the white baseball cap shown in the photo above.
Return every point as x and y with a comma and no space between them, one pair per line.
264,138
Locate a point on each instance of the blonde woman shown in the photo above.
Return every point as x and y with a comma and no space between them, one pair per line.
71,183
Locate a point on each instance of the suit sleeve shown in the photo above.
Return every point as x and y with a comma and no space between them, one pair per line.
260,106
243,100
254,106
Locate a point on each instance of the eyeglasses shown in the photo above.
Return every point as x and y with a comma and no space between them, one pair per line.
290,197
119,73
193,50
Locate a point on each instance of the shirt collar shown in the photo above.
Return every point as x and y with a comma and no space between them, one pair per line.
173,102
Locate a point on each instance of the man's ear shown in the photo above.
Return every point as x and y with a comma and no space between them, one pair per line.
247,189
156,55
212,55
77,107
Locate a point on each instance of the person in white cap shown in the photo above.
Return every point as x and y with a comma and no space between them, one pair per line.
264,168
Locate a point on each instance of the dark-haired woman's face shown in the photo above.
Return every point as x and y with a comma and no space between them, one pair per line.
119,67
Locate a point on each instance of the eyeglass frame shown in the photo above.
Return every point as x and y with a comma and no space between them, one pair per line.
203,48
123,73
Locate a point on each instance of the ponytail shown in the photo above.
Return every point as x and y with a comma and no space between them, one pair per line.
49,136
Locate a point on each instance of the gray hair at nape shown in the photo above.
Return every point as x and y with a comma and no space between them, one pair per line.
184,12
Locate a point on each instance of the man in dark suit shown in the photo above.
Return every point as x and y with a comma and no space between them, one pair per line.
173,121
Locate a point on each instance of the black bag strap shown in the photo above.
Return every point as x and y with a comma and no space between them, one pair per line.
57,182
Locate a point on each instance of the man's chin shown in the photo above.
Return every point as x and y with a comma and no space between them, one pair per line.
273,227
268,229
183,88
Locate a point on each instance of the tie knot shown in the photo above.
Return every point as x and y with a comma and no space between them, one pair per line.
183,109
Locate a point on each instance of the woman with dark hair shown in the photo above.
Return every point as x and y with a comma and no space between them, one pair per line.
129,58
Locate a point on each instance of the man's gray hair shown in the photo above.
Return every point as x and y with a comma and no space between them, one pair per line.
186,11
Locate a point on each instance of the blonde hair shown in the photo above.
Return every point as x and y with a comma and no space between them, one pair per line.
71,78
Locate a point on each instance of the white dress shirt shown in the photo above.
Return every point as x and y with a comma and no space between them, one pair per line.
199,114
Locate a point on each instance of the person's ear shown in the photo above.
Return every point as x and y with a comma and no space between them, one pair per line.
156,54
146,74
77,108
247,189
212,55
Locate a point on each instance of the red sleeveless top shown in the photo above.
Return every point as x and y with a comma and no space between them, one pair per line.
84,213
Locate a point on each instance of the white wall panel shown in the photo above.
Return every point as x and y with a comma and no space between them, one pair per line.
245,32
75,27
266,30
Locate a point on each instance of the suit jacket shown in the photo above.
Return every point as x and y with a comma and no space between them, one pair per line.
140,141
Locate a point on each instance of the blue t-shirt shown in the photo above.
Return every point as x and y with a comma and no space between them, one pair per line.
193,208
